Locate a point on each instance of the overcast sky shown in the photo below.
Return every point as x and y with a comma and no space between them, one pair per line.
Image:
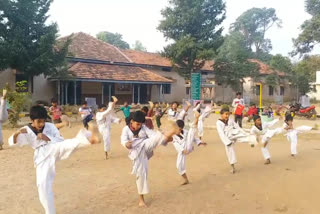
138,19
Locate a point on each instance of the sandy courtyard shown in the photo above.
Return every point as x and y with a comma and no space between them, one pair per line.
87,183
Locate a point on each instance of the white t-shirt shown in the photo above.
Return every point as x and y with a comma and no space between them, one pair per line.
305,101
84,112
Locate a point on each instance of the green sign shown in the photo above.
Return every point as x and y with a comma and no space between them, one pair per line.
196,86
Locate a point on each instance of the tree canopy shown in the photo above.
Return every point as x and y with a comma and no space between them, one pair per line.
27,42
253,25
138,46
113,39
310,35
194,27
231,64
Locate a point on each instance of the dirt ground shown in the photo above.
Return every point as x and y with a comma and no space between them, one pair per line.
86,183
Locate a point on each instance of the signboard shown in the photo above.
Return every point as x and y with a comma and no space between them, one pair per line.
196,86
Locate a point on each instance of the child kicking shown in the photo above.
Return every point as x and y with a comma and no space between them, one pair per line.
105,118
230,133
159,112
292,133
183,143
3,114
263,134
204,114
175,115
141,141
49,147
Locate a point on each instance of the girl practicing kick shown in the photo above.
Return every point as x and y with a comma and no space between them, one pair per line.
264,134
49,148
141,141
230,133
183,143
292,133
104,119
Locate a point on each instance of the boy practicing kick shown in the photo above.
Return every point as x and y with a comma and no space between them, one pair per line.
49,147
141,141
105,118
183,143
174,114
292,133
230,133
263,134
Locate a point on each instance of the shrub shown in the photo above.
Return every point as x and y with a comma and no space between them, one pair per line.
19,100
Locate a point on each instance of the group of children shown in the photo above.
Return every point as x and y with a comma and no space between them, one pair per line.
140,139
261,133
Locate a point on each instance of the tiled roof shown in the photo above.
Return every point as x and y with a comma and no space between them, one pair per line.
115,73
87,47
147,58
265,69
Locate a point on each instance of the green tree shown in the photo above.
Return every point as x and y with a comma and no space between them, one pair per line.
138,46
281,63
194,26
304,73
27,42
310,35
19,101
253,25
113,39
231,64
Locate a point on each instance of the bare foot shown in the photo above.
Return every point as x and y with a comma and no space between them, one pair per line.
115,99
185,182
292,155
142,204
151,104
107,157
267,162
188,103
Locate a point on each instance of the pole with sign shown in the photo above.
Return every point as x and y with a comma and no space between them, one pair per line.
196,86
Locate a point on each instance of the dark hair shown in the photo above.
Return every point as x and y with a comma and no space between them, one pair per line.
180,124
256,117
38,112
138,116
225,109
145,108
84,103
175,102
253,104
54,100
102,106
238,93
289,117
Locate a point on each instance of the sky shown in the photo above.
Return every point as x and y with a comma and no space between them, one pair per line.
138,19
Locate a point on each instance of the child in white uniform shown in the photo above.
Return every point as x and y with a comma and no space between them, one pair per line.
292,133
105,118
49,147
230,133
174,114
204,114
263,134
141,141
183,143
